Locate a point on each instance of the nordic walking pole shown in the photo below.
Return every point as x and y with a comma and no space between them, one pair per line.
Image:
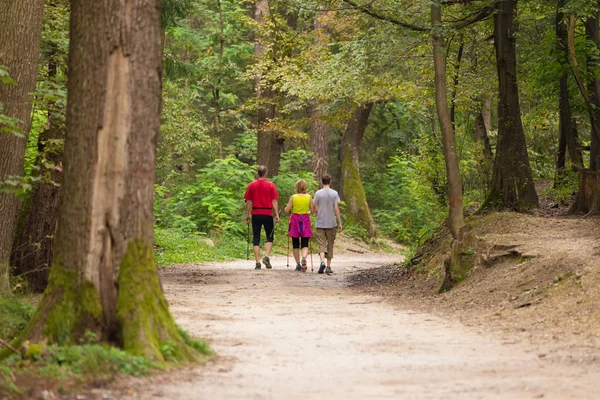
312,270
247,241
288,251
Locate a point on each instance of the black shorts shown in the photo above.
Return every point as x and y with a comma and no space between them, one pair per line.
297,241
259,221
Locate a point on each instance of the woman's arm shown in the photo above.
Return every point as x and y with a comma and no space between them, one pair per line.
288,208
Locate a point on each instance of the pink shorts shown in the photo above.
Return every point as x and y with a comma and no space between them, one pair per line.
300,226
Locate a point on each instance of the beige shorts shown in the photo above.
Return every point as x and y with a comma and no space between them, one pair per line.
326,237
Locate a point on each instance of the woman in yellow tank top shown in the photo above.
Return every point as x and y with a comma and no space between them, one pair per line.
301,206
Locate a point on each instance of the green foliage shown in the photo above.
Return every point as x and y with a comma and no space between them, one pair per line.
200,346
84,362
176,247
404,206
15,313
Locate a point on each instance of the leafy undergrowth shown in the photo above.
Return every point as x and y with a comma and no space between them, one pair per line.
176,247
61,369
531,277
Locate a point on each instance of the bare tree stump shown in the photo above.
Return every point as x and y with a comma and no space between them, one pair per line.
588,198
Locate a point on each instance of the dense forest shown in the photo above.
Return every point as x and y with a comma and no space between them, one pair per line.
130,129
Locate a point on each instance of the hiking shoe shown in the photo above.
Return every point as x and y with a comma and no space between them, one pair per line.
322,268
304,267
257,266
328,270
298,267
267,262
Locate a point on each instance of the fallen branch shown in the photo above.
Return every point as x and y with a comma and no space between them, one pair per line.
8,346
357,251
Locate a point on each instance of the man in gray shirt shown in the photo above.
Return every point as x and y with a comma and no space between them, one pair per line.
325,206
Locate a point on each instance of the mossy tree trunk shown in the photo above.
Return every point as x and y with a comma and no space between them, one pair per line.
512,180
20,36
103,277
34,246
357,212
455,212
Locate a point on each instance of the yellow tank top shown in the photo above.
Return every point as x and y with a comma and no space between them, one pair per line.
301,204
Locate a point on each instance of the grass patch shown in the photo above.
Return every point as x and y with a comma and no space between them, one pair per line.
175,247
15,313
59,368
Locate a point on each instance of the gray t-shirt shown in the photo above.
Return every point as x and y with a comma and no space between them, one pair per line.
326,199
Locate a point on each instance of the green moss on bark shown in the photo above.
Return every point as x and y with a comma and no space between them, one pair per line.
355,196
67,309
147,327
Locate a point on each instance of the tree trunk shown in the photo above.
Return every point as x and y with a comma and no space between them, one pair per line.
319,142
592,31
512,179
358,212
20,35
319,138
455,215
103,276
33,250
568,138
481,134
486,111
588,197
455,80
270,144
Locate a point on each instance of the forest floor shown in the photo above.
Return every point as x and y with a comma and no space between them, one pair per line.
372,332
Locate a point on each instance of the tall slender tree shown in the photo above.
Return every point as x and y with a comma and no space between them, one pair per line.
103,277
568,138
20,35
34,244
319,137
512,180
455,214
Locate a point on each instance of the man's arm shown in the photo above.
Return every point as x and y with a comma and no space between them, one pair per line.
248,210
339,218
276,210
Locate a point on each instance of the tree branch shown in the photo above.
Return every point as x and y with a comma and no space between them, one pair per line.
480,15
367,10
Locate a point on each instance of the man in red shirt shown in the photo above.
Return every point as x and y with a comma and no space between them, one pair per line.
261,200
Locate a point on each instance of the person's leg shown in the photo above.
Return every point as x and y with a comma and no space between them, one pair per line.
305,247
296,247
331,233
256,225
322,242
269,225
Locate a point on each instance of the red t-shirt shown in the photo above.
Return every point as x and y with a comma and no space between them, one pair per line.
261,193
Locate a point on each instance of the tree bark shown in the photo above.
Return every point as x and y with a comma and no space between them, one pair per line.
481,134
34,247
568,138
455,215
593,33
270,144
455,80
20,36
319,142
588,197
319,138
358,212
103,276
512,179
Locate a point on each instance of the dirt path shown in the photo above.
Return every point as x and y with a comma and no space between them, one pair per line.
286,335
